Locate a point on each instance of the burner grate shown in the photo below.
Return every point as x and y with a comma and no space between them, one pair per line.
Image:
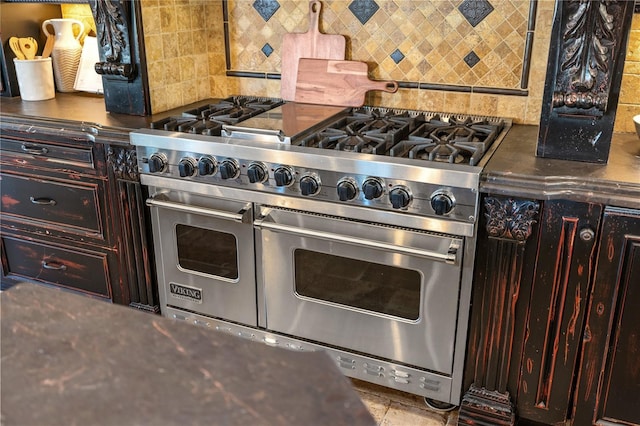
208,119
369,131
456,140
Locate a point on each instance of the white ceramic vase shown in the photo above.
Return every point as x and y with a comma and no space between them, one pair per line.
66,51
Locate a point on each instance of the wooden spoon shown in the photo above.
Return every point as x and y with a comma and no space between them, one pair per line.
29,47
15,47
48,46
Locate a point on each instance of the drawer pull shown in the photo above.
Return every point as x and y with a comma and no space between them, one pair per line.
54,266
43,201
34,150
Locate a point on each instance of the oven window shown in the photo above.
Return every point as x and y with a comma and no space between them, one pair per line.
207,251
375,287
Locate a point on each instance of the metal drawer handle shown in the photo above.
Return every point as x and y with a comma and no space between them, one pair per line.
55,266
450,258
243,216
34,150
43,201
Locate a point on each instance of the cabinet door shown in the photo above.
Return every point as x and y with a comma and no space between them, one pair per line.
563,271
608,387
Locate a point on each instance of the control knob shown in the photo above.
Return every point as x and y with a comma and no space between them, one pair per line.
283,176
346,190
187,167
157,163
309,185
372,189
399,197
228,169
257,173
441,203
206,166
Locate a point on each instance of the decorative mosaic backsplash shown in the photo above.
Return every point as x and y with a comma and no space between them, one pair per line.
483,57
473,43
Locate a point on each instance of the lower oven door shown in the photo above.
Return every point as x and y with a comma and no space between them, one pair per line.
205,255
386,291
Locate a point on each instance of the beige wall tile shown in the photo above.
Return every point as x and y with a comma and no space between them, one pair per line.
433,36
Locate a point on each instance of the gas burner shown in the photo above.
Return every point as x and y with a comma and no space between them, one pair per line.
370,131
208,119
453,141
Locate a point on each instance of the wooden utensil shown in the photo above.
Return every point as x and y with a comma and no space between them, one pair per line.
29,47
48,46
342,83
15,47
312,44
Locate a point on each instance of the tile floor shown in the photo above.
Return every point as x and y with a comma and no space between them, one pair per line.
394,408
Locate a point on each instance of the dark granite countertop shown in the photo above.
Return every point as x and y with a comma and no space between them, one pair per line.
77,112
69,359
79,107
515,170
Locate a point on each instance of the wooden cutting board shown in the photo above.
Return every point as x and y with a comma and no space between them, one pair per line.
341,83
312,44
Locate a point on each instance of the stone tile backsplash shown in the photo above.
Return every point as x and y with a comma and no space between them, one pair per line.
466,56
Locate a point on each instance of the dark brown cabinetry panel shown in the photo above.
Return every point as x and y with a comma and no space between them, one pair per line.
557,303
49,155
50,264
73,211
608,388
554,334
505,260
72,206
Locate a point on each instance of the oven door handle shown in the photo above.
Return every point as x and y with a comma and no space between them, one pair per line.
243,216
451,257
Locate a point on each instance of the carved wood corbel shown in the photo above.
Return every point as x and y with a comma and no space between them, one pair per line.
111,17
584,71
508,224
122,56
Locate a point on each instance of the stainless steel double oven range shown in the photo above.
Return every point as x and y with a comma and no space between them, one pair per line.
315,227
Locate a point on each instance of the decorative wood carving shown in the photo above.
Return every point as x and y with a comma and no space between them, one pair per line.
123,162
589,39
511,219
111,23
492,407
494,316
586,56
122,56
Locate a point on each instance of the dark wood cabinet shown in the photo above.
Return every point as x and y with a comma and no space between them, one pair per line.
73,212
550,339
608,380
556,309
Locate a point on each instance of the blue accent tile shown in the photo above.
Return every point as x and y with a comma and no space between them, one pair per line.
363,9
471,59
266,8
475,10
267,50
397,56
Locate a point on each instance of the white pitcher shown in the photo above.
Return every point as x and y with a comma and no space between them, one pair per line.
66,51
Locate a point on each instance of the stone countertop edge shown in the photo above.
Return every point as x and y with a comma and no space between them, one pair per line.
71,359
515,170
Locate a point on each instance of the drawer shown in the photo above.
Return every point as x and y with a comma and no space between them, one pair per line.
73,206
85,271
47,155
